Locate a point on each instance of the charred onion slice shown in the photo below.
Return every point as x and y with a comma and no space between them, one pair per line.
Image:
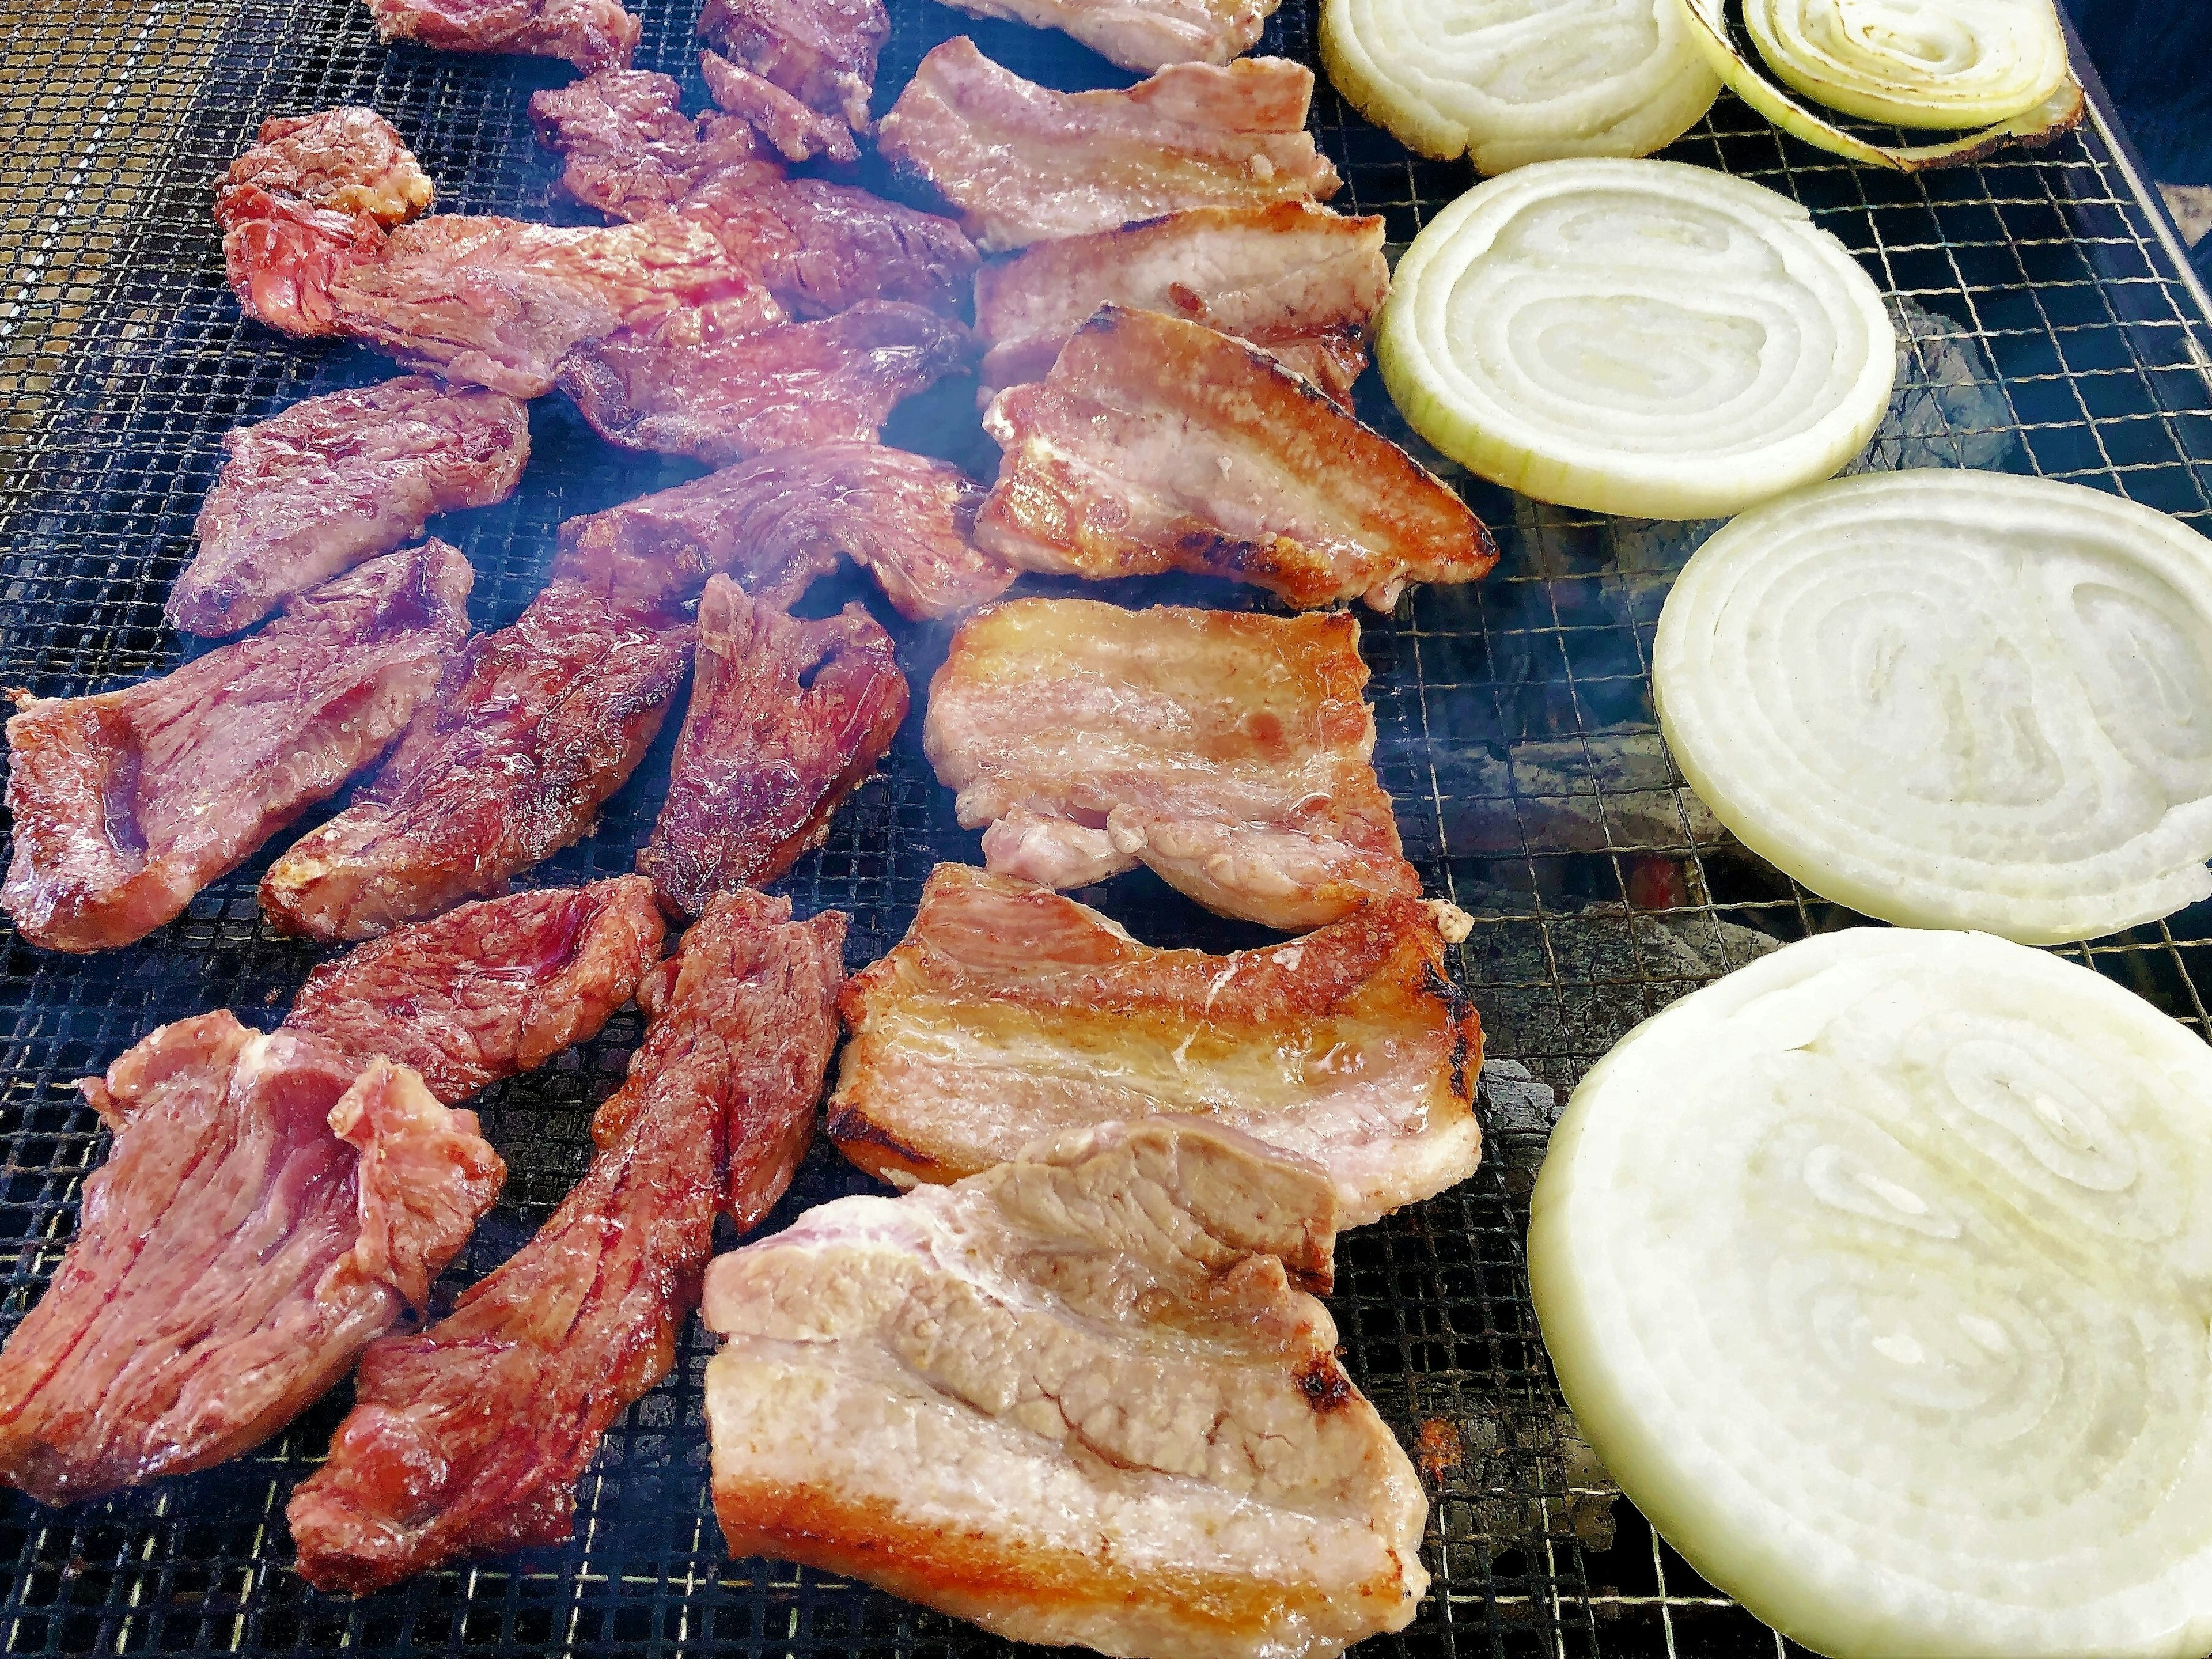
1878,1273
1636,336
2056,109
1509,82
1954,699
1914,63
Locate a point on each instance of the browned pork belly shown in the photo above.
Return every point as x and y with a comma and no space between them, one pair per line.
268,1208
1022,164
127,803
1008,1012
469,1438
1142,34
1081,1398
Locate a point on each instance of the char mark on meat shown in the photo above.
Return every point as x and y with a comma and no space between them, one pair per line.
689,384
592,35
1297,280
337,479
823,52
469,1438
491,989
1231,754
312,198
787,718
1158,444
127,803
818,247
532,729
782,519
1008,1012
1021,164
1142,34
796,132
1113,1326
266,1209
499,303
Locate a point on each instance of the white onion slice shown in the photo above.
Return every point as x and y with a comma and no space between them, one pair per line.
1954,699
2058,111
1636,337
1878,1273
1914,63
1512,82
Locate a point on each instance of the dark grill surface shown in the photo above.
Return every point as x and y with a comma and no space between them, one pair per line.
2050,333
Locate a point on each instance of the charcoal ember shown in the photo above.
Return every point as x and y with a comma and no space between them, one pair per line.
268,1207
592,35
469,1438
782,519
689,384
337,479
787,718
491,989
532,729
127,803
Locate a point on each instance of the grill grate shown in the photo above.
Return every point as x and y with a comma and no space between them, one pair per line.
2052,330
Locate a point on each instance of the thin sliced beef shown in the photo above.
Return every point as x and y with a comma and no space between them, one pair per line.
786,717
780,520
490,989
796,132
469,1438
823,52
266,1209
312,198
499,303
592,35
126,804
338,479
632,152
533,727
690,385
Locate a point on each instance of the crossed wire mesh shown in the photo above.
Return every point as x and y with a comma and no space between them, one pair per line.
2049,329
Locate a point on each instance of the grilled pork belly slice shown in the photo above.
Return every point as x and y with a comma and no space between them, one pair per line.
823,52
266,1209
796,132
314,197
592,35
1092,739
498,302
782,519
1157,444
787,718
1142,34
491,989
1297,280
1008,1012
818,247
469,1437
337,479
532,728
1079,1398
689,384
1022,164
127,803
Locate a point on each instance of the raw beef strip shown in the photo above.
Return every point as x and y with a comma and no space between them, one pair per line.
266,1209
533,727
127,803
338,479
469,1438
629,150
823,52
491,989
592,35
797,132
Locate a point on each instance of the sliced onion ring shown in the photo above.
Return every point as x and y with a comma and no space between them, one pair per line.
1954,699
1878,1273
1914,63
2058,113
1641,337
1507,83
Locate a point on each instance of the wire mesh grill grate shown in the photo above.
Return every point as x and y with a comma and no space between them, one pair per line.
2049,329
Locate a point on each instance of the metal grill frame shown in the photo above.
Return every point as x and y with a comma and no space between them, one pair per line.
1517,737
